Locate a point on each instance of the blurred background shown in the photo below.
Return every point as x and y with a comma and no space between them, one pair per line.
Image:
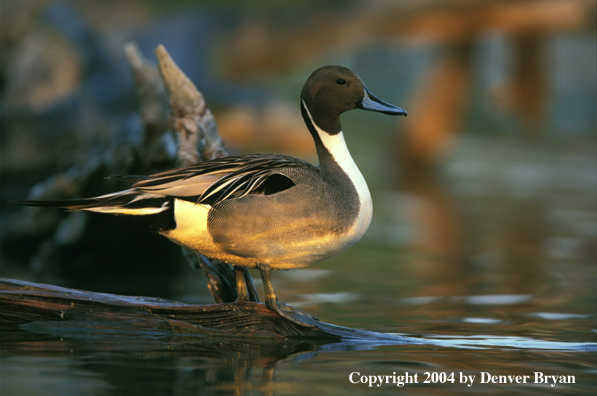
488,187
485,196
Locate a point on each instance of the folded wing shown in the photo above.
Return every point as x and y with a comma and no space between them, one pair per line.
206,183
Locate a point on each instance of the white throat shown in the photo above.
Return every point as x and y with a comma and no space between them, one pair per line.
336,146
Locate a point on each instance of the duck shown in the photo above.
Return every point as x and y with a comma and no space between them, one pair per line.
263,211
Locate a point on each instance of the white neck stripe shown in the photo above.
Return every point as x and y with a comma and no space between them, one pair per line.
336,146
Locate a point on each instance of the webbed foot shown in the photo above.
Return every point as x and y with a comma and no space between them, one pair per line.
294,315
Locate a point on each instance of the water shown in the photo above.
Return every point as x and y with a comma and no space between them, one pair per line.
488,272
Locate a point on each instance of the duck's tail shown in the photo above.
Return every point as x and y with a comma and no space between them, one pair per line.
127,202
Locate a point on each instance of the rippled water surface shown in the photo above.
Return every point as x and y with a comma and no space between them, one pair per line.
489,272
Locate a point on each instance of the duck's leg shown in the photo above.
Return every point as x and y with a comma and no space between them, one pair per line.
253,296
241,287
271,301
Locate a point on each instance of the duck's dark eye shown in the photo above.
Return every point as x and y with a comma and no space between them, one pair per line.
341,81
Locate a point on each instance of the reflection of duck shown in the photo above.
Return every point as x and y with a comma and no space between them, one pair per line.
263,211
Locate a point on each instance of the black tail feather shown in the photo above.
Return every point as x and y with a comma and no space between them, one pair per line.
70,204
117,203
127,178
159,220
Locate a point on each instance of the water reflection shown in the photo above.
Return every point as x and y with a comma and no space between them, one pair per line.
241,367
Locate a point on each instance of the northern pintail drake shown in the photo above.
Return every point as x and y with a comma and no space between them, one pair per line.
265,211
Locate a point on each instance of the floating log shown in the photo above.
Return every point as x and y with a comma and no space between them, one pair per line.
72,313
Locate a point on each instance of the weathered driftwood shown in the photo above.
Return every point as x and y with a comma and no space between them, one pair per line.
178,128
198,140
62,312
193,121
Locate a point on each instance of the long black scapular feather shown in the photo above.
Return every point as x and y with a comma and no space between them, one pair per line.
207,183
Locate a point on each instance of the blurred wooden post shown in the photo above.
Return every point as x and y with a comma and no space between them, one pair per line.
529,86
438,111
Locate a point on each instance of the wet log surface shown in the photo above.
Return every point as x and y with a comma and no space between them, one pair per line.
71,313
